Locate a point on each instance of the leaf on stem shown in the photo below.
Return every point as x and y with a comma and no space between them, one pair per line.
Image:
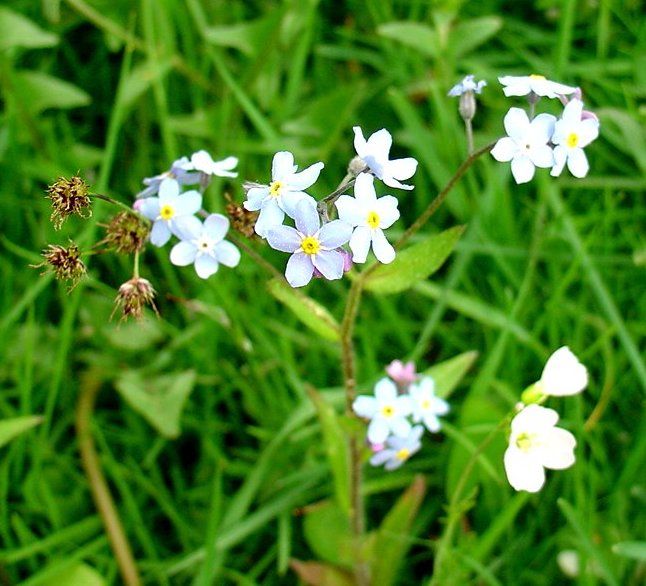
10,428
159,400
329,535
414,264
448,374
311,313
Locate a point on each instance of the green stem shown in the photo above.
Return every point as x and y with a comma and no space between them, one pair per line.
90,387
441,196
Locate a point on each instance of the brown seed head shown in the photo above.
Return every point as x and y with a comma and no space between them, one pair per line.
126,233
65,263
69,196
242,220
133,295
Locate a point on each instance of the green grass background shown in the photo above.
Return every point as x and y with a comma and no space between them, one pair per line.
541,265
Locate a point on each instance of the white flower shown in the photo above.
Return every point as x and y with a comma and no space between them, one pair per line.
426,406
369,217
571,135
204,245
312,246
176,172
563,374
387,411
203,162
375,152
536,443
398,449
169,210
468,84
526,146
537,84
284,192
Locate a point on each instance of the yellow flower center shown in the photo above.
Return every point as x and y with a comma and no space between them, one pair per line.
387,411
426,404
572,140
536,76
167,212
275,188
526,441
403,454
310,245
373,220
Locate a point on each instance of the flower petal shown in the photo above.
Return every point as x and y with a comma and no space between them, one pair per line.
577,163
284,238
334,234
183,254
306,178
365,406
329,263
349,210
299,269
386,207
282,166
385,390
205,266
558,450
516,123
522,169
360,144
563,374
364,189
188,203
168,189
307,218
523,471
378,430
504,150
271,216
360,244
255,197
216,226
160,233
383,250
227,253
401,168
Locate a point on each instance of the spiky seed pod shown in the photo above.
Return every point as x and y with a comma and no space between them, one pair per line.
69,196
65,263
126,233
133,295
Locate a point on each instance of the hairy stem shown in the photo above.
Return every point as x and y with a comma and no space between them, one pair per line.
90,386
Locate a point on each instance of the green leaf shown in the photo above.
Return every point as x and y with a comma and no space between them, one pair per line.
317,574
417,36
449,373
18,31
142,77
311,313
414,264
393,538
160,399
40,91
336,449
79,575
10,428
635,550
329,535
468,35
251,38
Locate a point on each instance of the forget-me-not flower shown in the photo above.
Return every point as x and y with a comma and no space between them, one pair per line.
176,171
168,210
284,192
203,244
524,85
375,153
369,217
398,450
426,406
203,162
312,246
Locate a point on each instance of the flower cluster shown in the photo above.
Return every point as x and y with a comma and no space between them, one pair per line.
535,443
173,213
315,243
400,408
544,140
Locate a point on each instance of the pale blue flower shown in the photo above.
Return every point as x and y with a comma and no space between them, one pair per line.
398,449
284,192
468,84
426,406
169,210
176,171
369,217
203,162
203,244
375,153
312,246
387,411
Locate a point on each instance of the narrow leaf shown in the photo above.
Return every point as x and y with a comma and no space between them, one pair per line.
40,91
336,449
415,263
10,428
311,313
159,400
635,550
448,374
78,575
394,538
417,36
468,35
328,533
18,31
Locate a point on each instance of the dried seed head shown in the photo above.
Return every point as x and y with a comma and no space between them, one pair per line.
69,196
126,233
242,220
65,263
133,295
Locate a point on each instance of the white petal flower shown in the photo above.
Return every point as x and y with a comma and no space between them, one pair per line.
526,145
571,134
387,411
563,374
168,209
176,171
537,84
426,406
312,246
468,84
283,194
203,245
368,216
398,449
375,152
536,443
203,162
